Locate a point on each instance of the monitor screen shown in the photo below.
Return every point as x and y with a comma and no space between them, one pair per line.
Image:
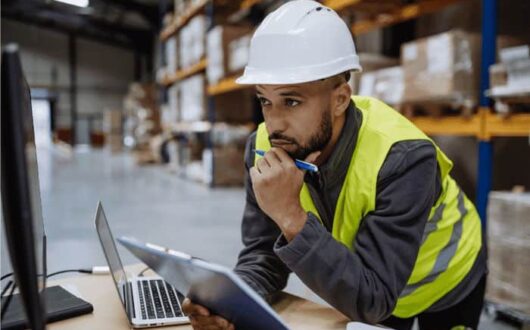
21,202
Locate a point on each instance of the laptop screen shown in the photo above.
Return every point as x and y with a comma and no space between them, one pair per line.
111,252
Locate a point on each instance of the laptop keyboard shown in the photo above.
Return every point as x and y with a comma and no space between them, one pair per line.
159,300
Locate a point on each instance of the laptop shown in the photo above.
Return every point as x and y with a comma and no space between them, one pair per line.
148,301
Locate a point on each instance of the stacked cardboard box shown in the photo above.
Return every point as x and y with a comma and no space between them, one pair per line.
112,126
442,67
509,250
235,107
224,165
239,50
192,104
170,115
191,42
226,51
512,75
385,84
142,114
171,55
370,62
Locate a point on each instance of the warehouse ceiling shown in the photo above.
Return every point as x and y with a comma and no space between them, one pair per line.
127,23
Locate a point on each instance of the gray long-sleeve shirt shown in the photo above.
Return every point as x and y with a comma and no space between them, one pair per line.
365,283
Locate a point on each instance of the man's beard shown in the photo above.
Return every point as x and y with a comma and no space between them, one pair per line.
317,142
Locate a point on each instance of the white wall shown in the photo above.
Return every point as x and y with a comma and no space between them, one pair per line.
103,71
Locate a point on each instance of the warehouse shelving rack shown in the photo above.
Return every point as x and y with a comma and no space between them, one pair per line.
226,85
484,125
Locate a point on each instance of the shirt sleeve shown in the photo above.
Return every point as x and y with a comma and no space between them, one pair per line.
365,283
257,264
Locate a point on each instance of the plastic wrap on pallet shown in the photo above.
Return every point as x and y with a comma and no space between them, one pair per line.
444,66
370,62
509,250
385,84
223,134
214,49
171,55
498,75
239,51
192,99
220,52
170,114
191,42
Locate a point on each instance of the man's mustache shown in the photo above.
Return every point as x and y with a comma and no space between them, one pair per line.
280,136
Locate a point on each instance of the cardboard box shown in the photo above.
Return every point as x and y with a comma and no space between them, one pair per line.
192,39
218,50
171,55
192,103
114,142
509,250
238,54
225,166
384,84
443,67
112,122
223,134
370,62
498,75
235,107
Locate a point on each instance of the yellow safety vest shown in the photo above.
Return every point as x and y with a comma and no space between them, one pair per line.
452,235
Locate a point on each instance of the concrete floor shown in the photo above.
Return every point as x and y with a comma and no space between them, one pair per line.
149,203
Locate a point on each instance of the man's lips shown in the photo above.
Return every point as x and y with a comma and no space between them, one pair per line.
279,142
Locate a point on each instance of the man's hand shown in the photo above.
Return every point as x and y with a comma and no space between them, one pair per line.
277,183
201,319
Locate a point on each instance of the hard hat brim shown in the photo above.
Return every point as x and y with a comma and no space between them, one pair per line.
299,75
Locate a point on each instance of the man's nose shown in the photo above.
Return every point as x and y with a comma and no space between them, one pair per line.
275,122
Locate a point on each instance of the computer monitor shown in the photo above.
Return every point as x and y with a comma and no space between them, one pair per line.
21,202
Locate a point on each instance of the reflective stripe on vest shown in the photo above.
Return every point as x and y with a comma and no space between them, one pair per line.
452,236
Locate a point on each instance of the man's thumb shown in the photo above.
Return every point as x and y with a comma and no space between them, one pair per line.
312,157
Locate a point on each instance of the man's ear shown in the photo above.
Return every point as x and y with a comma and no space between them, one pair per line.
342,98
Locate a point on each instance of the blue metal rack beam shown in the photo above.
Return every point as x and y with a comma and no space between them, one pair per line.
485,149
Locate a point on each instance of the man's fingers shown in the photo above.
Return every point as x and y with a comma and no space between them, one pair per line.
312,157
262,165
272,158
282,155
192,309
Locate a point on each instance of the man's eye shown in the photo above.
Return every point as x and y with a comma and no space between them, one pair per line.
291,103
263,102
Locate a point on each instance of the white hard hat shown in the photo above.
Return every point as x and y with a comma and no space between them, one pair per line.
301,41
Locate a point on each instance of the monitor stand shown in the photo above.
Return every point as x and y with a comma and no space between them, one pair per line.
60,305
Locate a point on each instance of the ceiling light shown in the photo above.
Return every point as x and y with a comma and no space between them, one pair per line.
78,3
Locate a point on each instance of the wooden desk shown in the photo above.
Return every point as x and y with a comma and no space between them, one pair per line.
108,313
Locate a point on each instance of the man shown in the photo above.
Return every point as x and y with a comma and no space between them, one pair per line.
381,232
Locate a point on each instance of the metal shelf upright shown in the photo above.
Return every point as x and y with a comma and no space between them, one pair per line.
485,145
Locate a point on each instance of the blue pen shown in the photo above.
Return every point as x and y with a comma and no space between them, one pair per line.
299,163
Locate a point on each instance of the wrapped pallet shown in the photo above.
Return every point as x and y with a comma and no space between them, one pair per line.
192,105
218,49
509,250
171,55
235,107
192,38
384,84
370,62
224,164
442,67
112,128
